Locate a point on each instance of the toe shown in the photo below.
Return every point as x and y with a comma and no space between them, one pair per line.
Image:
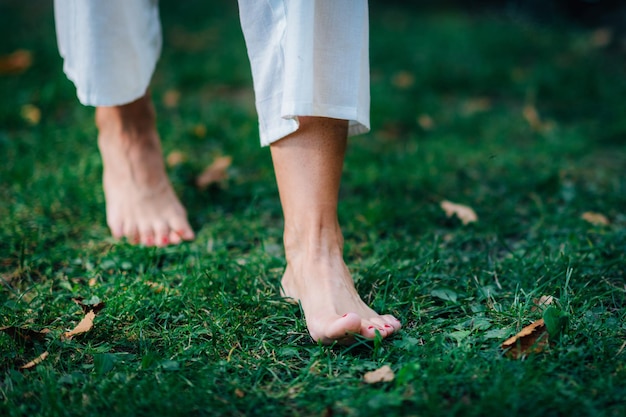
161,234
369,329
337,329
392,321
175,238
131,232
181,227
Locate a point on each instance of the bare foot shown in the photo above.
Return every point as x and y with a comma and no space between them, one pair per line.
308,165
140,202
320,280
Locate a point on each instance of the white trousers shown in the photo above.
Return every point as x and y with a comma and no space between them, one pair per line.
308,57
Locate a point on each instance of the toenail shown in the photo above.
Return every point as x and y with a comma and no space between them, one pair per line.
370,328
165,240
387,326
345,315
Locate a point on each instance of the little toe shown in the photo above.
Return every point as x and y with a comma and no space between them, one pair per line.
175,238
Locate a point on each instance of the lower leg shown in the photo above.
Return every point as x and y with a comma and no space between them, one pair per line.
141,203
308,165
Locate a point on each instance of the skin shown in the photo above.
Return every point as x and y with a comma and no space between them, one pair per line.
308,165
140,201
143,208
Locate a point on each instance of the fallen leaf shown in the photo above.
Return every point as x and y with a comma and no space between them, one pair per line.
31,114
382,374
83,326
476,105
87,307
92,282
156,287
597,219
601,37
199,130
532,117
542,302
16,62
175,158
171,98
464,213
215,172
36,361
531,339
239,393
22,335
403,79
426,122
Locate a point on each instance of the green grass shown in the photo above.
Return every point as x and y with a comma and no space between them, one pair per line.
200,329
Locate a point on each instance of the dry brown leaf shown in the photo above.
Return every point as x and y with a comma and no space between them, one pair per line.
542,302
531,339
382,374
403,79
215,172
83,326
597,219
156,287
239,393
92,282
171,98
22,335
35,362
601,37
476,105
31,114
16,62
88,307
175,158
532,116
426,122
465,213
199,130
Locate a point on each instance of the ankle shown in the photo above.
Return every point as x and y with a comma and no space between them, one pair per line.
137,117
313,242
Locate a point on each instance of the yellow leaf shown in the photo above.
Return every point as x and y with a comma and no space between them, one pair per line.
171,98
35,361
31,114
597,219
175,158
476,105
464,213
426,122
532,116
382,374
403,79
215,172
83,326
531,339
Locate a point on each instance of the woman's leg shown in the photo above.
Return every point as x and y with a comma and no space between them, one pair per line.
308,165
110,49
140,202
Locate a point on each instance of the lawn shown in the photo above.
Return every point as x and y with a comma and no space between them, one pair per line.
523,121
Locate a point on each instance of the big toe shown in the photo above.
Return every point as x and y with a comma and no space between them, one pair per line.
338,329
